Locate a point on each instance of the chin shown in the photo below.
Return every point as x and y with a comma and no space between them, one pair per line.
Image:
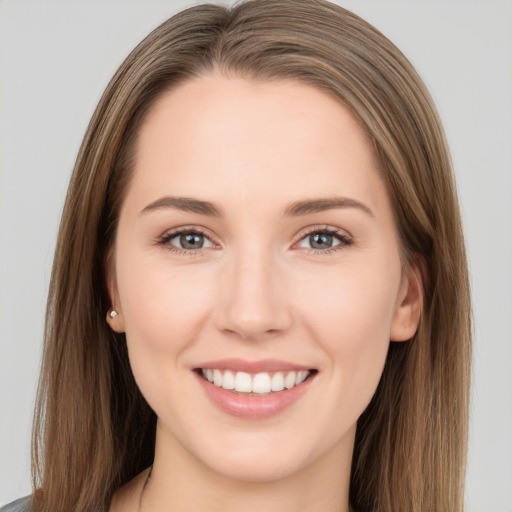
268,457
263,468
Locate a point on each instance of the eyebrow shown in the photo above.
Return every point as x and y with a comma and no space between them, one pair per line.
186,204
295,209
319,205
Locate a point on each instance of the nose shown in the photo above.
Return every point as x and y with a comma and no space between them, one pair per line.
253,302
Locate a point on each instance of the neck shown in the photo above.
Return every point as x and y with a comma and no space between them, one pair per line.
181,482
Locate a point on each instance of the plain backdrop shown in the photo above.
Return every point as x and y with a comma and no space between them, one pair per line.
57,57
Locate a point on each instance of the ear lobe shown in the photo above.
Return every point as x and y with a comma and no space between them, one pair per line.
409,305
115,317
116,321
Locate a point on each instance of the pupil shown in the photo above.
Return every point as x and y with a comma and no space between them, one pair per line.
191,241
320,241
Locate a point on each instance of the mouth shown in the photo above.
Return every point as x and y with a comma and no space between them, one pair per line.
254,390
255,384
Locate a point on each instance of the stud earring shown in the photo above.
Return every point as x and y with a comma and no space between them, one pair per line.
112,313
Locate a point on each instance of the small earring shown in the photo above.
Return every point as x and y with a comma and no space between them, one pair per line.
113,314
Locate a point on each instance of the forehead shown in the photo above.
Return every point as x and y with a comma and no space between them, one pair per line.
251,140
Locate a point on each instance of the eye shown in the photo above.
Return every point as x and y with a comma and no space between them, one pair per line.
185,240
325,240
190,241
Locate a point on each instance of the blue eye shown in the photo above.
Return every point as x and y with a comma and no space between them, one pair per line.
190,241
321,241
185,240
325,240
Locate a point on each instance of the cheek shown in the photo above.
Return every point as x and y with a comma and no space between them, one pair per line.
163,308
350,315
356,302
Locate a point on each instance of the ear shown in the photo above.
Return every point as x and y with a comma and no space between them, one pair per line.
409,305
116,322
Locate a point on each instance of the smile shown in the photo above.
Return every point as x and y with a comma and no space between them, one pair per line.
254,390
260,383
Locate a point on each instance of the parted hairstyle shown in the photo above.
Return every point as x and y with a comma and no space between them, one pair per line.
93,430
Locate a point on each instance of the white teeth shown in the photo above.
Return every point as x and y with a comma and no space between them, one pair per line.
217,377
228,382
243,382
289,380
278,382
261,383
301,377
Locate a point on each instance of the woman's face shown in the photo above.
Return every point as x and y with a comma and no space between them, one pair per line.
256,248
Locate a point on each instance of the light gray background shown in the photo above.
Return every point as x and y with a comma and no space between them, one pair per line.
57,57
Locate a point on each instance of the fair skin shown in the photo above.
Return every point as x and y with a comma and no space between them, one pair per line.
255,283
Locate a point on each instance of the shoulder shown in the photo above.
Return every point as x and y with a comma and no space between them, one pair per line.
20,505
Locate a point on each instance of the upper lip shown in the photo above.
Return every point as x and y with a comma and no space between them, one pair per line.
262,365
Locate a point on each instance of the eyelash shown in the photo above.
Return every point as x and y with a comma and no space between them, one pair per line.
343,238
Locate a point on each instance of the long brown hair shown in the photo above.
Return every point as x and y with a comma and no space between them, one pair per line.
93,430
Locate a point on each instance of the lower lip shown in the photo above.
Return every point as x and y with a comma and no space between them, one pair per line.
254,407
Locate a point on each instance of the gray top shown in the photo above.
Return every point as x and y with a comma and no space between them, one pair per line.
20,505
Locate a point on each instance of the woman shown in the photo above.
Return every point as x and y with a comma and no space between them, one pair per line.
262,202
